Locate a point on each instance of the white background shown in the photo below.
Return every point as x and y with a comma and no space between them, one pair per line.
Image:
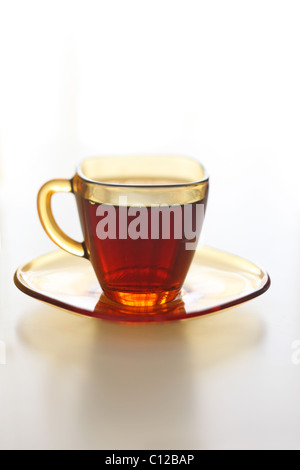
216,80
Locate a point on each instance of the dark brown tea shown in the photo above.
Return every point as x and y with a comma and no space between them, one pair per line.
141,255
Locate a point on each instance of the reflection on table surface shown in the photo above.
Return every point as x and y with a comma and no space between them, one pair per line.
133,385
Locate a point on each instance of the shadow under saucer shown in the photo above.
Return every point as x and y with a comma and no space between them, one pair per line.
116,385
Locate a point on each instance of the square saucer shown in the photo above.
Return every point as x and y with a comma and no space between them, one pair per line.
216,280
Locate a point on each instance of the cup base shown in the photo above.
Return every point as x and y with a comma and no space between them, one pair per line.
148,299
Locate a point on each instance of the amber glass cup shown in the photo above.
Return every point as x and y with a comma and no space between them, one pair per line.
141,219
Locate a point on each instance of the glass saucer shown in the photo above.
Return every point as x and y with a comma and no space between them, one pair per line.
216,280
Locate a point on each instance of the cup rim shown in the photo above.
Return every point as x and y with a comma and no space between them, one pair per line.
143,186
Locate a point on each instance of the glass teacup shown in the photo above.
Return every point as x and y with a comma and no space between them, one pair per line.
141,219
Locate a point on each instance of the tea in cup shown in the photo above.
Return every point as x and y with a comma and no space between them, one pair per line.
141,219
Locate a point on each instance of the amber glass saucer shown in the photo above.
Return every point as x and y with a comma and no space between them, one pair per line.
216,281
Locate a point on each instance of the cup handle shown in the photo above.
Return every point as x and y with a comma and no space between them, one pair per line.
47,220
